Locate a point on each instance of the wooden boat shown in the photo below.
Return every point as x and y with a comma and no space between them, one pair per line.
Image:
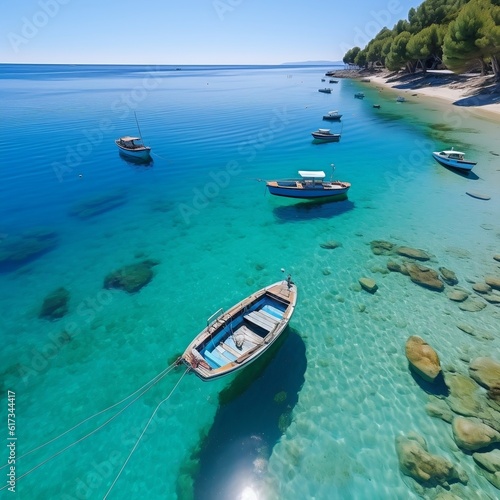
234,339
332,116
133,147
311,185
324,134
326,90
453,159
359,95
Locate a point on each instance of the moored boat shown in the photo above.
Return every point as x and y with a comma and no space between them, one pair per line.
400,99
333,81
359,95
332,115
310,185
234,339
324,134
453,159
133,147
326,90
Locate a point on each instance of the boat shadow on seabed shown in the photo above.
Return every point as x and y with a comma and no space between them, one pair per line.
317,209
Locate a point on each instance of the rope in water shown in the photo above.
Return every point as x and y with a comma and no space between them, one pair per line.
142,434
145,388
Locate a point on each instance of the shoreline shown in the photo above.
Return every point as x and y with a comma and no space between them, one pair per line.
467,91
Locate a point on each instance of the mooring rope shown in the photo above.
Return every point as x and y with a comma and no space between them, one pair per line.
142,434
149,385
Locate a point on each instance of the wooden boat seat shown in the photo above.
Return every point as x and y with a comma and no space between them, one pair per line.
262,319
225,353
215,359
273,311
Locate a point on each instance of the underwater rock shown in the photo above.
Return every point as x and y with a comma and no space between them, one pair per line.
489,460
490,465
472,434
492,298
95,206
425,276
471,305
368,284
481,288
423,359
464,397
485,371
457,295
413,253
131,278
497,257
55,304
449,277
439,409
330,245
20,249
415,461
395,267
493,281
381,247
474,332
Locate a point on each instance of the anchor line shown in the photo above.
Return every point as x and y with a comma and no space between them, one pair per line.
142,434
149,385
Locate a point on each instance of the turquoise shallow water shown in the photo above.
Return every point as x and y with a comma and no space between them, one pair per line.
202,212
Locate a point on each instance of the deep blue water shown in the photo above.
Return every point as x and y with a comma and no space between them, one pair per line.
73,210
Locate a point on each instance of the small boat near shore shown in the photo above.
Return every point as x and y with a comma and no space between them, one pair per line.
332,116
333,81
310,185
326,90
324,134
359,95
453,159
400,99
234,339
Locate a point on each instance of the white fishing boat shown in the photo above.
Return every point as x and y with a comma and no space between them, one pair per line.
133,146
453,159
332,116
234,339
324,134
310,185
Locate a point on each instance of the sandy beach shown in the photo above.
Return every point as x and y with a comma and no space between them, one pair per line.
468,90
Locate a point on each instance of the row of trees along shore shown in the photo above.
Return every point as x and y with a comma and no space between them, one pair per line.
459,35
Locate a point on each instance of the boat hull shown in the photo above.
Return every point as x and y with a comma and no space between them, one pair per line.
326,137
292,189
243,334
141,153
463,165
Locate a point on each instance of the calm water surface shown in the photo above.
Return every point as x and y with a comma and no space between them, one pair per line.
73,210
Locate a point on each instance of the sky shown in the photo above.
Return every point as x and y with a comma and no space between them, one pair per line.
191,31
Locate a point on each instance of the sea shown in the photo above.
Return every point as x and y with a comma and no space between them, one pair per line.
94,405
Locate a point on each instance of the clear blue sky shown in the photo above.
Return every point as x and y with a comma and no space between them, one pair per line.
191,31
